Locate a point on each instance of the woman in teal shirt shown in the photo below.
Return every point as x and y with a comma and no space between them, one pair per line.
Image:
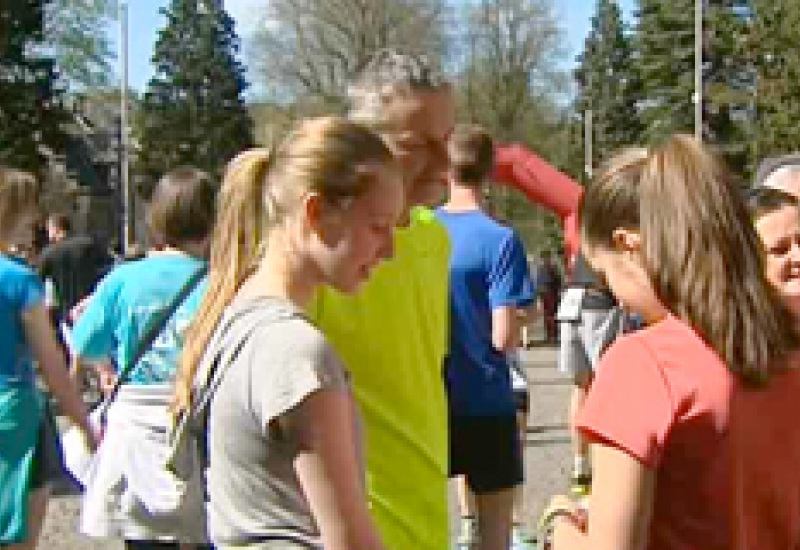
27,459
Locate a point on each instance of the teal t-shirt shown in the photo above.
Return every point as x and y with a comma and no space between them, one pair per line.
20,288
121,307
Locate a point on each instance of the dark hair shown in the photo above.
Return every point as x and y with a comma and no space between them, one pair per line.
765,200
699,248
471,151
61,221
182,207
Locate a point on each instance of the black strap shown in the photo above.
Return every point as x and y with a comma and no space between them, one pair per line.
155,325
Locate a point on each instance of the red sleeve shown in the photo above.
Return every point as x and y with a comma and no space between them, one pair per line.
629,405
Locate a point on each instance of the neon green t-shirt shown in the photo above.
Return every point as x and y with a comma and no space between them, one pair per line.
392,336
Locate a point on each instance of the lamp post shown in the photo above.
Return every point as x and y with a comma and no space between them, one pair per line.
698,70
123,142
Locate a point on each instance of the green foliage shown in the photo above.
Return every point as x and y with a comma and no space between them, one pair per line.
306,51
76,30
193,111
774,49
608,84
664,44
661,52
31,113
510,74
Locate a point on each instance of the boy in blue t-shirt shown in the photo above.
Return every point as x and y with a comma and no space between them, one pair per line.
180,218
489,284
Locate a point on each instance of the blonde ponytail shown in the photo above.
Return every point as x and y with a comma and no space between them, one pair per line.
235,249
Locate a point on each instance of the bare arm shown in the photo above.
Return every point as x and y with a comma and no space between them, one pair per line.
506,325
330,473
620,508
39,332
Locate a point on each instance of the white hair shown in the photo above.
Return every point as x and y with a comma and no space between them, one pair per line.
779,177
389,73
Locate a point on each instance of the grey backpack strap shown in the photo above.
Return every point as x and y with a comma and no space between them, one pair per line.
188,436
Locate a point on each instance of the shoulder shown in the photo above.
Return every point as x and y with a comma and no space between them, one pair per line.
13,268
425,237
426,221
662,351
20,283
296,349
296,336
17,273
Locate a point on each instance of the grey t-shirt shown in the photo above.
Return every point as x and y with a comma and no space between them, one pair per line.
254,493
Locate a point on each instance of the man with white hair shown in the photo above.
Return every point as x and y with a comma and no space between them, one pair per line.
393,335
780,173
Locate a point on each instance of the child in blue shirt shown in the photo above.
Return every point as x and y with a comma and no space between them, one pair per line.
129,467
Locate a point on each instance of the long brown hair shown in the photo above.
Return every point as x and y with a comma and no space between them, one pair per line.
261,186
699,248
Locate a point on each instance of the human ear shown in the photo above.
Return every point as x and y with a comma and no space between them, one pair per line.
313,210
320,218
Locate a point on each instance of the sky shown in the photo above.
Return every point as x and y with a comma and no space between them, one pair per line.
144,21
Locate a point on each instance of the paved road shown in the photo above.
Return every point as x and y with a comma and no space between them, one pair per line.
546,458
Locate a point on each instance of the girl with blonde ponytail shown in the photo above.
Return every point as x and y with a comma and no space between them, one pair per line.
284,466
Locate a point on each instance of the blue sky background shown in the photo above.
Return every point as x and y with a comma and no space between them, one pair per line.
144,21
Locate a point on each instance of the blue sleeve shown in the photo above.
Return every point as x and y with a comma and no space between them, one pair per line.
28,289
93,334
509,279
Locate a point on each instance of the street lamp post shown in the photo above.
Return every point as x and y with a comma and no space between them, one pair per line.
124,150
698,69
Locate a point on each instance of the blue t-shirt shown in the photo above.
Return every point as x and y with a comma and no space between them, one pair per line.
488,270
121,307
20,288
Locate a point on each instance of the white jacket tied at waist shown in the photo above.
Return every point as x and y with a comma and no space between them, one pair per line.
129,491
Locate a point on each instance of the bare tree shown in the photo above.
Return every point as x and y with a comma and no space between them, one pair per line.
510,52
307,49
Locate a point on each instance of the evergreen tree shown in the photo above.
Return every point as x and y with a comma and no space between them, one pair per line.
77,32
31,114
193,110
774,48
664,53
608,85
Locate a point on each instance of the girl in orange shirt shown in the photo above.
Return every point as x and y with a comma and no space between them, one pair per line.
671,412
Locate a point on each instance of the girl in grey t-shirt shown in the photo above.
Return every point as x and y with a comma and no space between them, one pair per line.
283,446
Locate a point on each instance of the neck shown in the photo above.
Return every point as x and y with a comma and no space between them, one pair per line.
281,275
195,249
463,198
6,247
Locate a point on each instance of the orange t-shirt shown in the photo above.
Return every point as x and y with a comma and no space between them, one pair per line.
766,465
665,397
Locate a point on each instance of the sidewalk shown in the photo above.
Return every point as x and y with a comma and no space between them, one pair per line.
546,457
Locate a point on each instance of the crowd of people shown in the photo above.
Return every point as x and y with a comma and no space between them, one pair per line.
314,345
